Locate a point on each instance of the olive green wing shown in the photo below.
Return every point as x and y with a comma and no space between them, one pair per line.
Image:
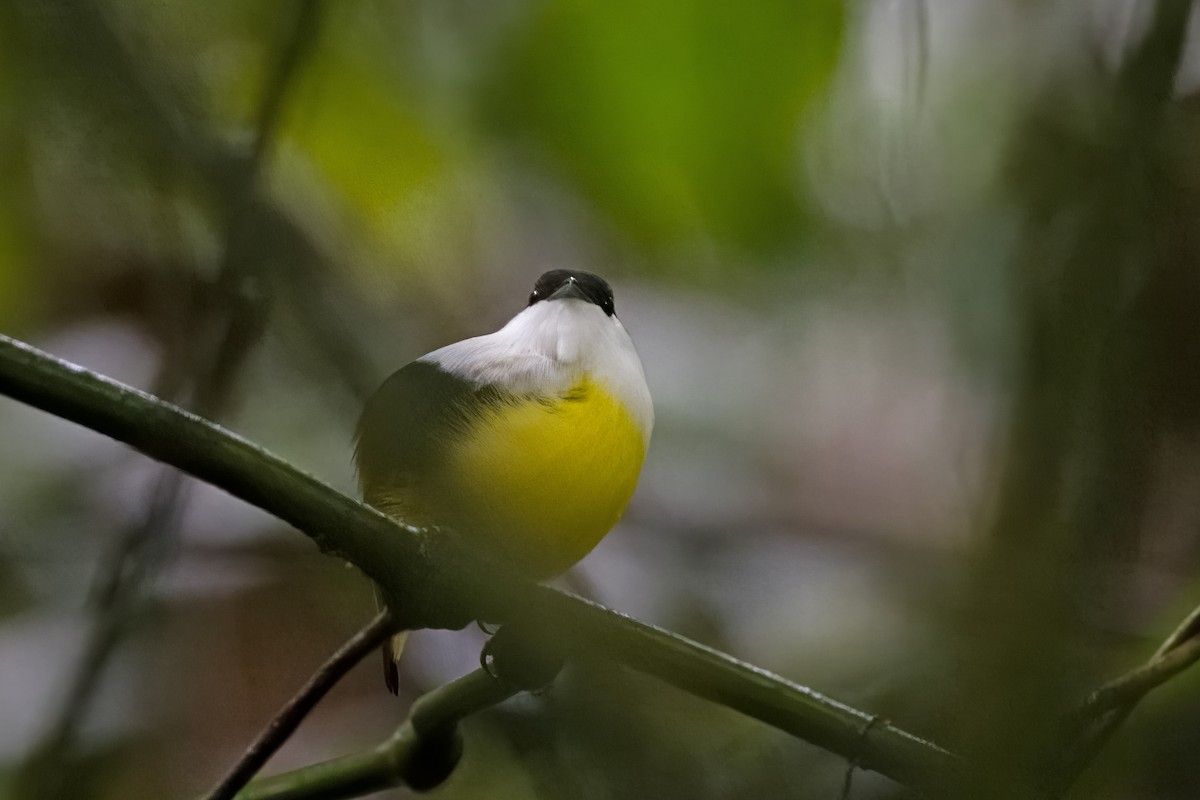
401,441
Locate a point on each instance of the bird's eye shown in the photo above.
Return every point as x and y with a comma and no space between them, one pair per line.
534,296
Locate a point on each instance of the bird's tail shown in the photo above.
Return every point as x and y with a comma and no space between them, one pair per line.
392,649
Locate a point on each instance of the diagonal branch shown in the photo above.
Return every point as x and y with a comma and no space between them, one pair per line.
433,581
1180,650
1107,708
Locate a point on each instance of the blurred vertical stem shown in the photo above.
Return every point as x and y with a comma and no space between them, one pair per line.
243,303
1087,411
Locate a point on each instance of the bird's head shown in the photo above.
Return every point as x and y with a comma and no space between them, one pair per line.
569,284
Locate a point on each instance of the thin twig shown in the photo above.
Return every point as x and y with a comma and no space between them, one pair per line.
284,724
1107,708
435,581
1174,656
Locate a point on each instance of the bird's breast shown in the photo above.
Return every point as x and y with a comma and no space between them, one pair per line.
543,479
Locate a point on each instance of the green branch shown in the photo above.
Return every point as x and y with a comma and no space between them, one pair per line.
1180,651
434,581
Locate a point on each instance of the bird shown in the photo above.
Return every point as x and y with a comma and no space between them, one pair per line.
527,442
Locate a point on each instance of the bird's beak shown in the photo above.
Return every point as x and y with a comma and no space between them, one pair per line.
568,290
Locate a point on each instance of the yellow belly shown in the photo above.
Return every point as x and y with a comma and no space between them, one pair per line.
544,481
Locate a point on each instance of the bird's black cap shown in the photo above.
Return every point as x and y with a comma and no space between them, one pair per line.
575,283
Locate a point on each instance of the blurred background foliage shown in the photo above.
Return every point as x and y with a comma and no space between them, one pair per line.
915,284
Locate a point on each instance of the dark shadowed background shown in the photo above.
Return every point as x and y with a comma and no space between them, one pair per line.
916,284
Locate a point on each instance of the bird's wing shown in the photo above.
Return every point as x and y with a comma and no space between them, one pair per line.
405,431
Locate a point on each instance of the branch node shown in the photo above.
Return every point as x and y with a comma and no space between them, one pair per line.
434,756
521,658
852,763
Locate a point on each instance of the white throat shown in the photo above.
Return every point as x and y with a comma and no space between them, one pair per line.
548,348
